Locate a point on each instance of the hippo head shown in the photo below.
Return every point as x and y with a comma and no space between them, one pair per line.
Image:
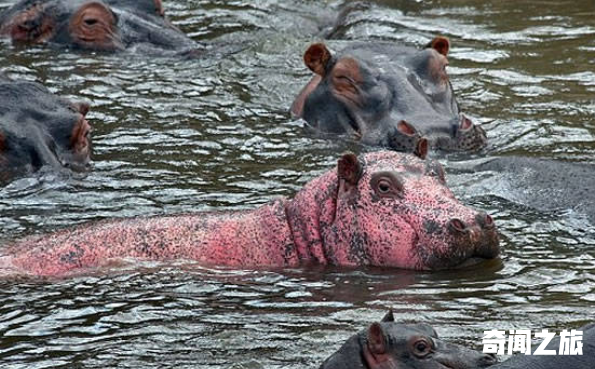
38,128
386,95
107,25
392,210
416,346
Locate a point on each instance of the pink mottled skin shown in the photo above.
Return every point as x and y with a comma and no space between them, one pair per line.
384,209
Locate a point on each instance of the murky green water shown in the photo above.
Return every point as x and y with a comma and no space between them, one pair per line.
176,136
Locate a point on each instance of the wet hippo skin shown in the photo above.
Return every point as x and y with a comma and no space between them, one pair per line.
390,345
107,25
381,209
542,184
386,95
38,128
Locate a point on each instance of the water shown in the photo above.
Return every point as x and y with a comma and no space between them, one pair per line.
177,136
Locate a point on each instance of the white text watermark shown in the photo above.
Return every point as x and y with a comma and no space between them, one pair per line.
519,341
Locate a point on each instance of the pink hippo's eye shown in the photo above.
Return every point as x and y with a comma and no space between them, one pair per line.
387,185
384,186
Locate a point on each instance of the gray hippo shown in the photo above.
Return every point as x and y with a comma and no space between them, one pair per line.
390,345
387,95
381,209
106,25
38,128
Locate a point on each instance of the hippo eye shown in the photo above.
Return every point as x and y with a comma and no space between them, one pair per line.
387,185
422,347
90,21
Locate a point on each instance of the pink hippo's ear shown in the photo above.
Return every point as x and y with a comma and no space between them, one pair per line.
389,317
317,57
440,44
349,168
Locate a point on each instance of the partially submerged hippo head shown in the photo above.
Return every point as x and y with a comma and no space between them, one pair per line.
38,128
107,25
393,210
390,345
386,95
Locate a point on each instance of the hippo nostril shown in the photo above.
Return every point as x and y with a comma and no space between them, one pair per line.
465,124
457,226
485,221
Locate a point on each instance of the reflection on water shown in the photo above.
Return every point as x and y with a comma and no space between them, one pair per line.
176,136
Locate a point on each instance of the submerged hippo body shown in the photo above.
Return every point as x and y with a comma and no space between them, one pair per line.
388,95
545,185
107,25
384,209
38,128
390,345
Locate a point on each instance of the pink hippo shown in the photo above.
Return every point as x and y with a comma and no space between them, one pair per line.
381,209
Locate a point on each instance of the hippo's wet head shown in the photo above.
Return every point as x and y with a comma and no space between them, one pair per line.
395,210
107,25
386,95
391,345
38,128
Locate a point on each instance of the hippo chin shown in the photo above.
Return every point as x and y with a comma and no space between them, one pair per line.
386,95
382,209
390,345
38,128
108,25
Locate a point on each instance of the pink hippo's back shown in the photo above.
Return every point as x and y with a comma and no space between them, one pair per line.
247,238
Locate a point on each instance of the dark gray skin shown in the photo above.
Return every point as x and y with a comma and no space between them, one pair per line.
390,345
38,128
544,185
387,95
584,361
107,25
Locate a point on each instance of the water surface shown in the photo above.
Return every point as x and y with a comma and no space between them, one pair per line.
177,136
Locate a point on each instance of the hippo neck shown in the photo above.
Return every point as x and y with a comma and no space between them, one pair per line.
313,209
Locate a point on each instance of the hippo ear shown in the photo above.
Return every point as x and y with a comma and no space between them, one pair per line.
440,44
349,168
81,107
159,8
389,317
317,57
376,339
421,149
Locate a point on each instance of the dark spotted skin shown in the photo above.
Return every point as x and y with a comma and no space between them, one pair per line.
391,345
368,211
38,128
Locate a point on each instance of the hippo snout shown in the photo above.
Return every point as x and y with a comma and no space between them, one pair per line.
478,237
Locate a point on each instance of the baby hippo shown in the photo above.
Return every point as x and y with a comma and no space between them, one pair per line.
381,209
390,345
